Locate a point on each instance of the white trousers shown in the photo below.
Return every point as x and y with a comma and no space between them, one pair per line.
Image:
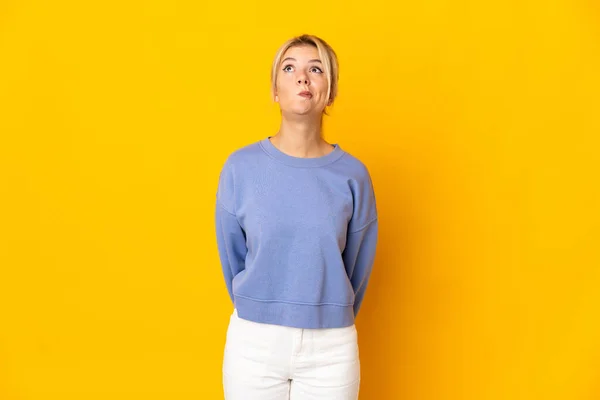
273,362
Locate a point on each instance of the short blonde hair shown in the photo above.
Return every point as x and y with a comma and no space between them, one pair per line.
326,54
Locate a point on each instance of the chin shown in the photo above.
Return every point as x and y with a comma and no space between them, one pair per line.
302,111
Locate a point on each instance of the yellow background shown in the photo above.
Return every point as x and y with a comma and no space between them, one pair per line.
479,122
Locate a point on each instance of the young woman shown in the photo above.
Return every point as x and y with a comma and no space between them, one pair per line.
296,225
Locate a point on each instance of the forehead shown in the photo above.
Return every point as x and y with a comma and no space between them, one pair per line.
301,53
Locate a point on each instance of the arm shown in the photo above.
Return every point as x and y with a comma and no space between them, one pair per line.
231,238
358,257
362,237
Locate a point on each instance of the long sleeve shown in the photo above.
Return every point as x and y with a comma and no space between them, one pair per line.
359,257
361,239
231,243
231,238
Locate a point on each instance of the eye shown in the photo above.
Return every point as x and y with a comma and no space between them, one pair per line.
286,68
319,71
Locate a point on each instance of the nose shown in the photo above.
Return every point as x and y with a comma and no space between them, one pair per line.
302,79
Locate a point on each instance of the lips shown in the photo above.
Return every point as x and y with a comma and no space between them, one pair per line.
306,94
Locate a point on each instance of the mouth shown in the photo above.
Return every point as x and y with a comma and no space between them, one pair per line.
305,94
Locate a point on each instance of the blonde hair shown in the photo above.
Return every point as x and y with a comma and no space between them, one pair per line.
326,54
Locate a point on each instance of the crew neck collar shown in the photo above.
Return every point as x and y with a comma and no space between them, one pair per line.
287,159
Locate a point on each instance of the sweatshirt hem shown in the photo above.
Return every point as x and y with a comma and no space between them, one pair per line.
296,315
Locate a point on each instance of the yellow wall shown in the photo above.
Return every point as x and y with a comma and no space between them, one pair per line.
479,123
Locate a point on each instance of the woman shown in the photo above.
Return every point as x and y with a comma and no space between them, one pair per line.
296,225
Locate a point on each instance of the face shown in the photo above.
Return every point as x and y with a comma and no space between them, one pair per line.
301,82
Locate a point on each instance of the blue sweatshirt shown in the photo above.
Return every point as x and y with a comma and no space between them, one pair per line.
296,236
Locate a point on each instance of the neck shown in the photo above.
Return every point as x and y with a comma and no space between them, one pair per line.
301,138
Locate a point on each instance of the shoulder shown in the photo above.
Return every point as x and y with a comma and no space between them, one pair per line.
243,155
363,193
355,168
239,159
235,163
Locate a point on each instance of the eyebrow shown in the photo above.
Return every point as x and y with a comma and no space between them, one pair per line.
293,59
